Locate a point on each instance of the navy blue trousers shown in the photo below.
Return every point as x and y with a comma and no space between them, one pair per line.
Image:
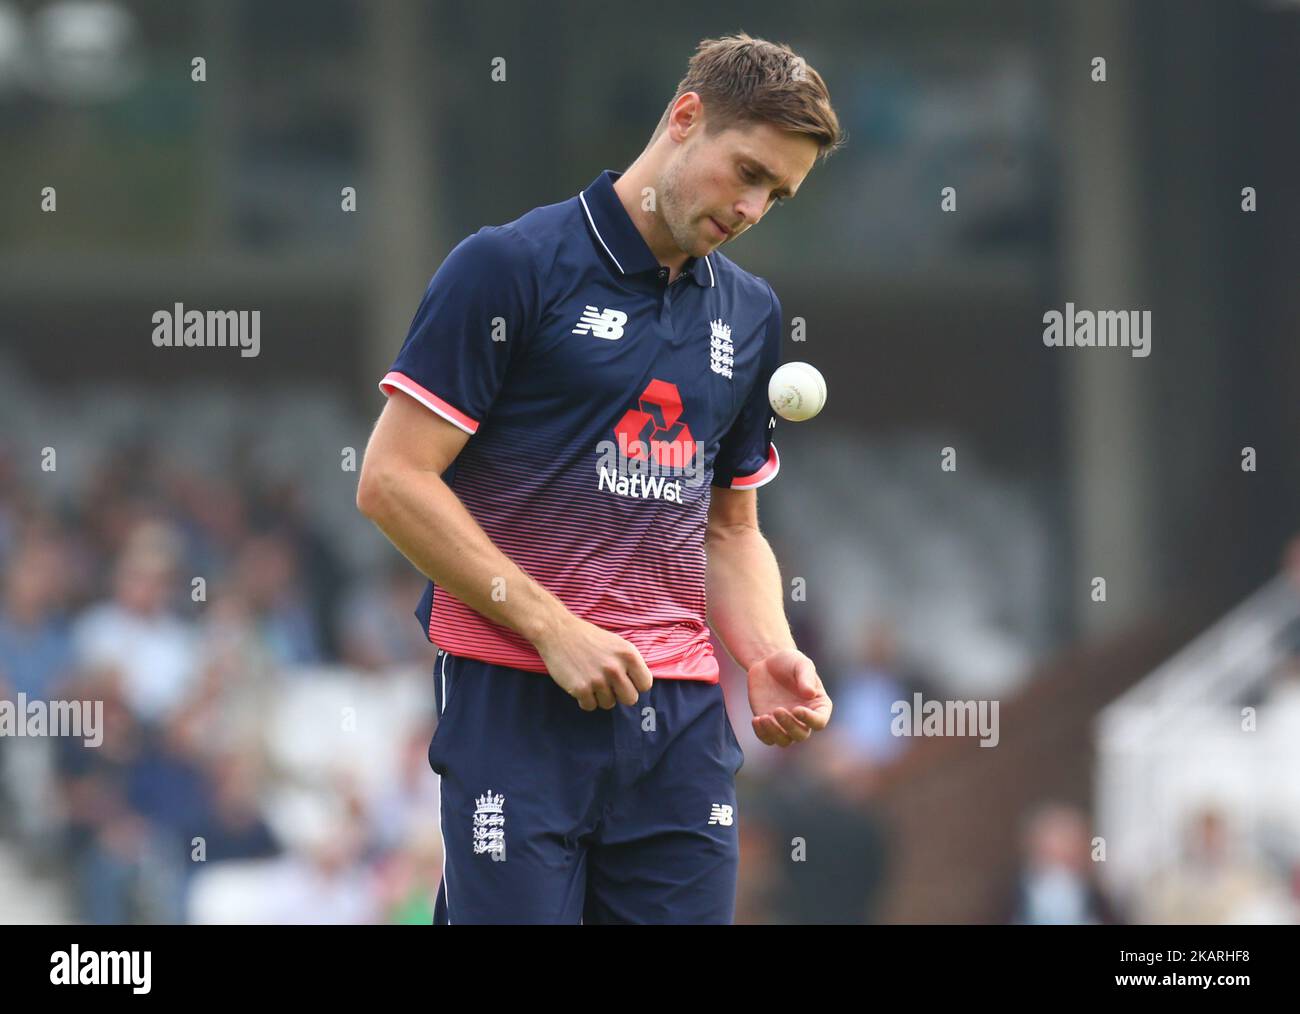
552,814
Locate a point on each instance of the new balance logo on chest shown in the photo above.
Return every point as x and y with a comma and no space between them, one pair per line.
606,324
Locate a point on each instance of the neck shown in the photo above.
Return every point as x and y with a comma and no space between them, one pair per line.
650,224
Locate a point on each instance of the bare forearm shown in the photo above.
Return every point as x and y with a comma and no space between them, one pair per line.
746,602
425,520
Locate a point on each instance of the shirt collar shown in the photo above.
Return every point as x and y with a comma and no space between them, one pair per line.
616,234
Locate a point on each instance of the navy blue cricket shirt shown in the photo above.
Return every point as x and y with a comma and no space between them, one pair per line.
602,405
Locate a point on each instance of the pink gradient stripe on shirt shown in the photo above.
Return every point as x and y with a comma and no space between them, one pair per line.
764,475
456,628
428,399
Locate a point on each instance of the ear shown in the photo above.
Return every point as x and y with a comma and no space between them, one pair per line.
686,114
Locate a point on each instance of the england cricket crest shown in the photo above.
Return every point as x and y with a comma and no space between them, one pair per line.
490,825
721,351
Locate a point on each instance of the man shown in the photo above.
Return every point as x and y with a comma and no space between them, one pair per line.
597,375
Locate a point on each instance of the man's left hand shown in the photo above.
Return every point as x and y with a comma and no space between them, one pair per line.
787,698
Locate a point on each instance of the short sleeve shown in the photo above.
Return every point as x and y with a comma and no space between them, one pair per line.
479,307
747,457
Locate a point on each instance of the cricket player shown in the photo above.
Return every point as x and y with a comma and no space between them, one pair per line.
576,429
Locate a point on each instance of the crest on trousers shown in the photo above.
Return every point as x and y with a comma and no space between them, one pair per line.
490,825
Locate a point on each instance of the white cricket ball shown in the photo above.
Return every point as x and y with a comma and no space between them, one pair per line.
797,391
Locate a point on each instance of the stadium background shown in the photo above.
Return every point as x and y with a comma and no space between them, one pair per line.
284,718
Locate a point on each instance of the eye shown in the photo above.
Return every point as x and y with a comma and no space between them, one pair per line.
749,176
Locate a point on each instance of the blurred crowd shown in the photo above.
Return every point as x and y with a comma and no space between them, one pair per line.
225,638
188,605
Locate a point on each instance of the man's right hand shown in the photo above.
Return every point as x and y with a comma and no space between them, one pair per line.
595,666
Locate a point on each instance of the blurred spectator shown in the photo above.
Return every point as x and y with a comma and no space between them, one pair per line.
1057,884
134,635
1214,883
167,783
35,641
36,659
121,512
211,514
284,503
410,805
325,883
829,848
169,788
240,670
865,698
105,842
234,827
268,579
376,625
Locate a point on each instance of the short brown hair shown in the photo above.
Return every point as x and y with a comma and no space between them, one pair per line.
746,80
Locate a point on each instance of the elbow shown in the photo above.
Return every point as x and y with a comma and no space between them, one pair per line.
372,489
725,533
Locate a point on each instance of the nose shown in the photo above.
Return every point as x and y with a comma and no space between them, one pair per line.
749,210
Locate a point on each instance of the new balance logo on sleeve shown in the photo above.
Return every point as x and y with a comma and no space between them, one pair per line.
720,814
601,323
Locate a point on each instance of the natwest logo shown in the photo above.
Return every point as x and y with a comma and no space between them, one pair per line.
655,429
651,442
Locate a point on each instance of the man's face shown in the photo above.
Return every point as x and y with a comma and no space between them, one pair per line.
714,187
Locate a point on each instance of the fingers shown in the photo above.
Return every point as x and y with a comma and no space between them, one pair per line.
610,689
791,726
769,732
786,727
600,669
805,675
623,689
815,720
625,684
640,673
